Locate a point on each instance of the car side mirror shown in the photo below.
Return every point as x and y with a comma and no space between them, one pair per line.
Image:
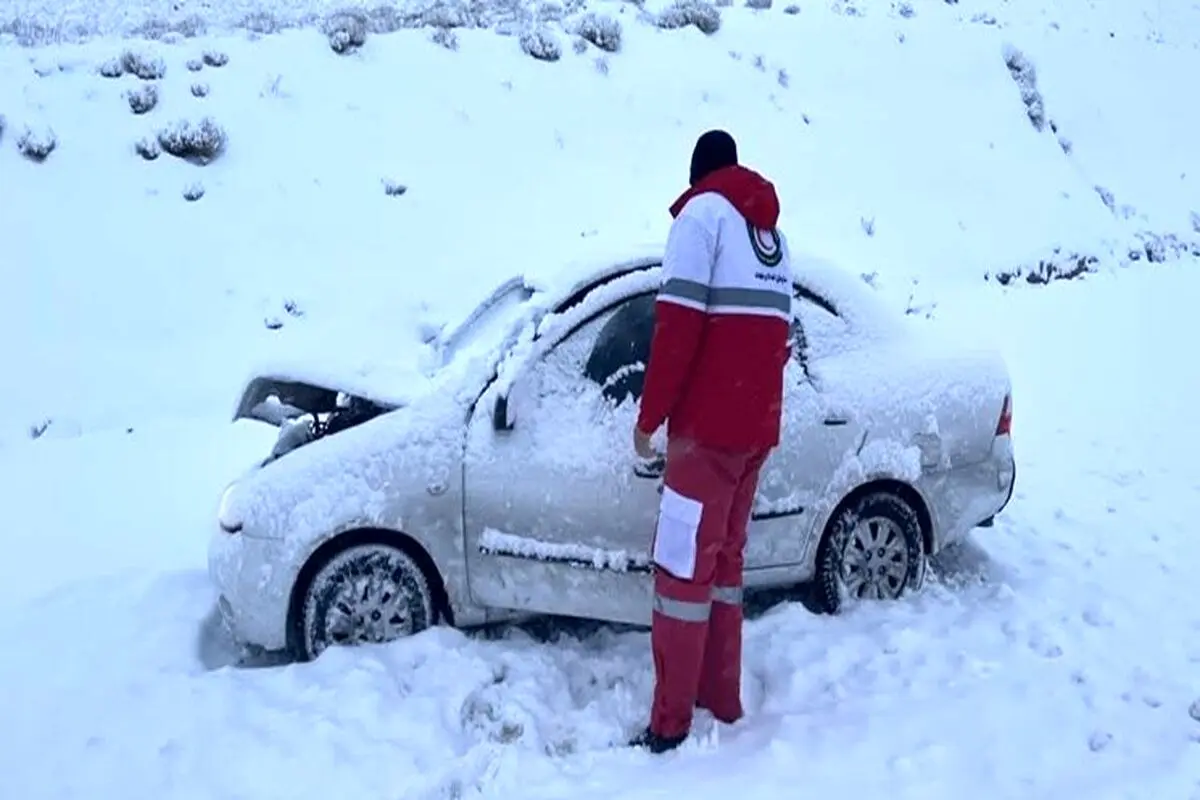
501,420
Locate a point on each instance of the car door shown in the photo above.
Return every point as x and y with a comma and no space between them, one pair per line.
556,521
817,438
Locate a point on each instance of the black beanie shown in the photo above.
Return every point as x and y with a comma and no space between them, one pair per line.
714,149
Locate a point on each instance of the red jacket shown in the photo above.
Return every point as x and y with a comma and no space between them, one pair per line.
722,317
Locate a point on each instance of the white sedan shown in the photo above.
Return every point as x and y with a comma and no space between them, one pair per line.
500,483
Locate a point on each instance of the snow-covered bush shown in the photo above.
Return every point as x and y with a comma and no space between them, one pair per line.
445,37
1025,77
394,188
450,15
347,30
214,58
541,44
700,13
386,19
1058,266
261,22
142,99
906,10
148,68
147,148
1195,216
601,30
193,192
195,64
602,65
758,5
199,89
199,144
792,9
37,145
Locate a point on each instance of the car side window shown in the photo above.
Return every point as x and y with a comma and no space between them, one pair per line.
618,358
579,384
823,332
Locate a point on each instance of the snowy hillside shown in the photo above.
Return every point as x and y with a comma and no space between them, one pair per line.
900,143
359,201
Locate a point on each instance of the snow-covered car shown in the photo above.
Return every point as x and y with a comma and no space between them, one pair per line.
498,479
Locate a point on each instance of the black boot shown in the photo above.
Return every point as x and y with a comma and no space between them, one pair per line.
654,743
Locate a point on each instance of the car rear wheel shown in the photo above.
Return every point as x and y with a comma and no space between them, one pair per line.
871,550
366,593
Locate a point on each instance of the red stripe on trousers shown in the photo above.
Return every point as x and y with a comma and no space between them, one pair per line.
700,663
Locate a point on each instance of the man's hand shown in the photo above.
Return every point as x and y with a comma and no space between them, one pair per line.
642,446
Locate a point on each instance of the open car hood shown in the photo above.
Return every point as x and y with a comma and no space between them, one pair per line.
278,395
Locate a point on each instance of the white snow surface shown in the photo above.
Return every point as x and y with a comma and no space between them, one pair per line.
1056,655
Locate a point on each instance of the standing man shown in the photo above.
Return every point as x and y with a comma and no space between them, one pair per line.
715,376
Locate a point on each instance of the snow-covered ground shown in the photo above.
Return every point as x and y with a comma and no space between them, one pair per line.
1055,655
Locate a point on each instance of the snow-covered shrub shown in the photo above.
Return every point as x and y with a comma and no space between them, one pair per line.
602,65
782,78
792,9
1025,77
541,44
142,99
199,89
111,68
906,10
449,15
135,64
549,12
580,46
37,145
1160,249
261,22
702,14
199,144
190,26
214,58
195,64
193,192
393,188
347,30
1058,266
1107,198
758,5
445,37
147,148
1195,216
386,19
601,30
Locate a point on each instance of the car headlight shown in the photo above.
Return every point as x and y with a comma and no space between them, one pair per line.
227,516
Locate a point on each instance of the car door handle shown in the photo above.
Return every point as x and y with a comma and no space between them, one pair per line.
834,421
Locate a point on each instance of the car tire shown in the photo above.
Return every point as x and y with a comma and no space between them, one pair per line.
871,549
365,593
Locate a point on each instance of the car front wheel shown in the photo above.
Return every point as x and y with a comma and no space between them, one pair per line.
871,550
364,594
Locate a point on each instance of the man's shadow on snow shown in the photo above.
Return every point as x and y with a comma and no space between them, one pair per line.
957,567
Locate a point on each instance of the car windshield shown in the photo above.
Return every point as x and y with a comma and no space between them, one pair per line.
490,320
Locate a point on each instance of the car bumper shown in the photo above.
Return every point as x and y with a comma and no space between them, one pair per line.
254,591
966,497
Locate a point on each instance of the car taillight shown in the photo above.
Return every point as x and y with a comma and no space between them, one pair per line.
1004,426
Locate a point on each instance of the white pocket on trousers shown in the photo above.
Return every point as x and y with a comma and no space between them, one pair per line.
675,535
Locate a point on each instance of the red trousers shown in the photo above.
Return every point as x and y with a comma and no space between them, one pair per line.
699,548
